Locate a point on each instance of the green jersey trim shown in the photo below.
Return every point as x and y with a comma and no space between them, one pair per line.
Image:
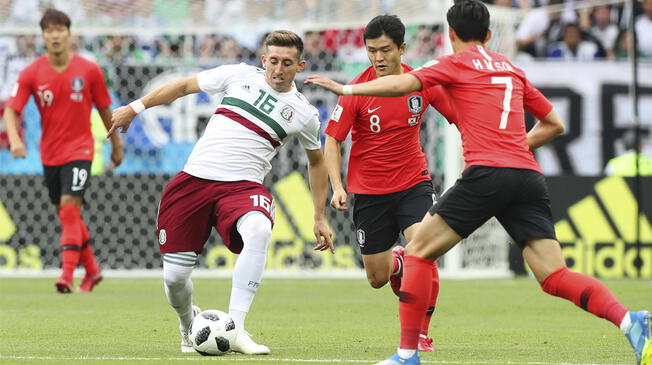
257,113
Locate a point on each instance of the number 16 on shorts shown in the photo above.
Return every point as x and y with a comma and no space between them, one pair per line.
263,202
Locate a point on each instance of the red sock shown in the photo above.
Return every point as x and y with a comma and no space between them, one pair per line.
433,300
586,292
413,299
70,239
86,257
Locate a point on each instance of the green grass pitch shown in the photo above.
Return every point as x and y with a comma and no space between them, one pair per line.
306,321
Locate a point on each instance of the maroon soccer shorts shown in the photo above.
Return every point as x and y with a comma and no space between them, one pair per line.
191,206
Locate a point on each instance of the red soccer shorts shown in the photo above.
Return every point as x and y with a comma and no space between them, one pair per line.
191,206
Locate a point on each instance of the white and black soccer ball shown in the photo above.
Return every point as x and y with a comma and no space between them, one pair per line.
212,332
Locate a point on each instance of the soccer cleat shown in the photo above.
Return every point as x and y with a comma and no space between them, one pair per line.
63,286
186,344
397,360
425,344
639,336
245,345
395,278
89,282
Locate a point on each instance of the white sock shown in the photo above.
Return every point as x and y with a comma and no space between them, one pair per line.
406,354
626,323
255,229
178,288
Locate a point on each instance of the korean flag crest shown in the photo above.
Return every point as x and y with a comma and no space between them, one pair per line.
415,104
77,84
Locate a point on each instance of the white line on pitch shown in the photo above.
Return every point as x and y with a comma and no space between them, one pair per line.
232,358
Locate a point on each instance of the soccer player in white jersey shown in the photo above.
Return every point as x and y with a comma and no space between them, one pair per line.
221,183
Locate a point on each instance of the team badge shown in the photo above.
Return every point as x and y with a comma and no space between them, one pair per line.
287,113
415,104
77,84
361,237
162,237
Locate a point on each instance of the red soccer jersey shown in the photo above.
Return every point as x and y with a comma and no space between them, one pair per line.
489,95
386,154
65,100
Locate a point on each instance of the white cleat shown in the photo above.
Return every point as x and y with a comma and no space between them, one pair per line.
245,345
186,344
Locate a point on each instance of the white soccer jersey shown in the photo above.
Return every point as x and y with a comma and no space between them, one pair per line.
249,126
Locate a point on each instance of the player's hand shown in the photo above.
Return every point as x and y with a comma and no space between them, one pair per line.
117,155
339,200
121,118
323,235
18,149
324,82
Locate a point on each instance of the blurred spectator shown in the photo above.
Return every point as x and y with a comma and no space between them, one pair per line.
314,52
229,51
539,27
573,47
644,29
603,29
621,46
426,45
208,47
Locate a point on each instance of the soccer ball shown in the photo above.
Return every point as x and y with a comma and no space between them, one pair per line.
212,332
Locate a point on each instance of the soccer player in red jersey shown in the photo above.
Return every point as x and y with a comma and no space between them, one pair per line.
501,179
388,171
65,87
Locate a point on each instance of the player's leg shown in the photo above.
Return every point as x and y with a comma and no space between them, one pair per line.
177,267
463,208
413,206
87,259
75,181
529,222
376,232
545,258
244,217
255,229
184,222
70,242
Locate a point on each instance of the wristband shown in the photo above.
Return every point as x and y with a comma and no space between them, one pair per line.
347,90
137,106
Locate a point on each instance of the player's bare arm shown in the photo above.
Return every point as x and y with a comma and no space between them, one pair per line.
16,145
545,130
387,86
333,158
117,152
165,94
318,176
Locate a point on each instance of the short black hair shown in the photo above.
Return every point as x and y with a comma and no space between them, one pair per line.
56,17
389,25
469,19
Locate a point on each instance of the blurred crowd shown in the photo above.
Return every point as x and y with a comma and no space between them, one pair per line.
562,31
555,29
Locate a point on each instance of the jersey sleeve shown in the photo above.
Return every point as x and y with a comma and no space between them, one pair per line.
309,136
342,118
440,100
21,91
101,97
214,80
534,101
439,71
